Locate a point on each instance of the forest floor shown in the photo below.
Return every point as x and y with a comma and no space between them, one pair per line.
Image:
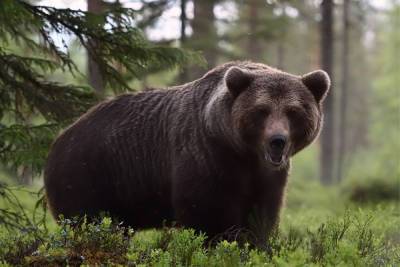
319,226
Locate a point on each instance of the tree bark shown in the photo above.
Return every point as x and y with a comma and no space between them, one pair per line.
95,78
280,55
26,177
359,89
327,134
281,46
254,49
183,19
183,76
344,93
204,36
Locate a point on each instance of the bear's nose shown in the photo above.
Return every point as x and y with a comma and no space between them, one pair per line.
277,142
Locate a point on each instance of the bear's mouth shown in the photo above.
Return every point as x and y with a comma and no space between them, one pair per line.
275,160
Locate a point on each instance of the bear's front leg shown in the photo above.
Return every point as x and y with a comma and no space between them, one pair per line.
263,217
202,204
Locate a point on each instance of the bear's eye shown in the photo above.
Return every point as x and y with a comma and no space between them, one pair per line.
262,111
295,112
299,120
259,114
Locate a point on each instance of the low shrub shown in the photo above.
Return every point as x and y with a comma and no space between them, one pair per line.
358,238
373,190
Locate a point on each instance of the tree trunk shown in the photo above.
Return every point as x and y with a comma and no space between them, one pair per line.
94,74
26,177
281,45
344,93
204,36
254,47
359,89
281,55
327,134
183,18
183,76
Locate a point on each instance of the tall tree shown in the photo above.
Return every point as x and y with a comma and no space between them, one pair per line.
94,75
259,31
280,54
183,18
327,134
204,36
254,48
344,86
359,90
183,76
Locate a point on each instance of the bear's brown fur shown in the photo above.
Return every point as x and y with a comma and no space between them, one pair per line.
212,154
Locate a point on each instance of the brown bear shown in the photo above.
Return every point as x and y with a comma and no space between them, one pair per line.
212,154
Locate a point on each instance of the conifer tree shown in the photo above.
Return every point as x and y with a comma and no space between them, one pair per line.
25,89
33,108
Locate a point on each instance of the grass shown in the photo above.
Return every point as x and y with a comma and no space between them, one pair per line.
356,238
319,226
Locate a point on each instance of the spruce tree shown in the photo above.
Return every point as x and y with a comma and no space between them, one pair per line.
33,108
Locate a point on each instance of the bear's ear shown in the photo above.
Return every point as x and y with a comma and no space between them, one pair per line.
237,80
318,82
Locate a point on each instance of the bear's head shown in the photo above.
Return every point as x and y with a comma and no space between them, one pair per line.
274,113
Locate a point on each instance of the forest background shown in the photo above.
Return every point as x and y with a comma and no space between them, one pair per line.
58,58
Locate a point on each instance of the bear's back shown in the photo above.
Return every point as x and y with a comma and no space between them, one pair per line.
112,157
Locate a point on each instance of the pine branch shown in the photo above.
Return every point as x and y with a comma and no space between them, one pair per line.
26,145
112,39
54,101
119,42
32,108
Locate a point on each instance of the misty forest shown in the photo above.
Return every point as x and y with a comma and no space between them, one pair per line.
59,58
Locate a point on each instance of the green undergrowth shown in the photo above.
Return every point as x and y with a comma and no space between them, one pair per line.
320,226
372,190
363,237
